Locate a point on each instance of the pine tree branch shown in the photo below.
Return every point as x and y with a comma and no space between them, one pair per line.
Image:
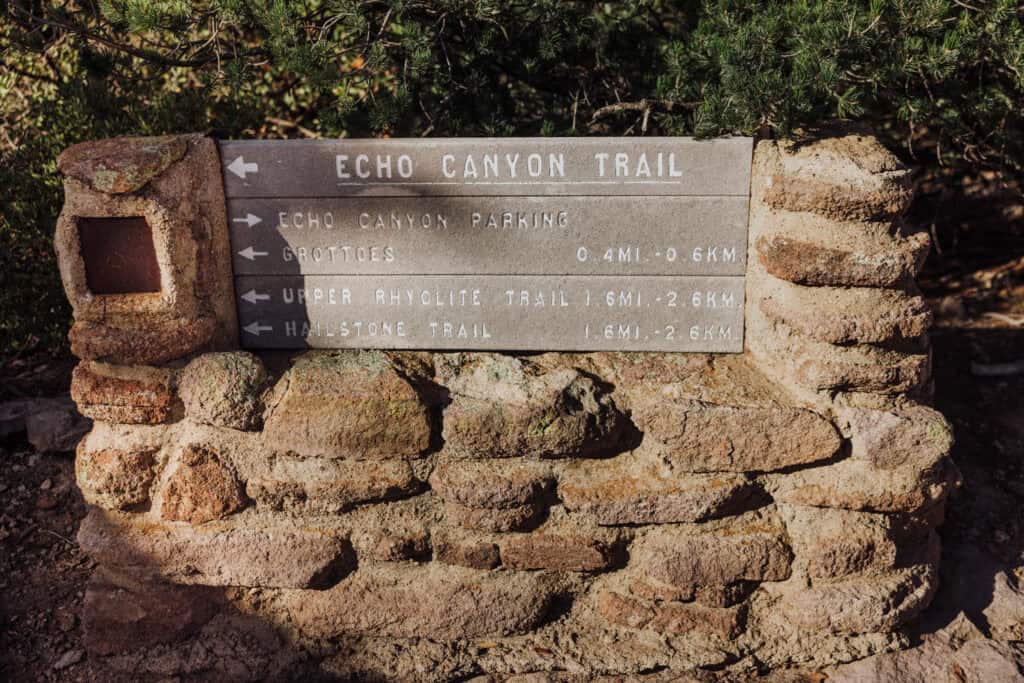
644,106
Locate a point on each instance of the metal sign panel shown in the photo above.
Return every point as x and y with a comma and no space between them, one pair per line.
558,243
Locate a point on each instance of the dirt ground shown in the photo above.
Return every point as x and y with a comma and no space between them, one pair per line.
975,282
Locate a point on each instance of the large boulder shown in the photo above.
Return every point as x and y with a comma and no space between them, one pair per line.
348,404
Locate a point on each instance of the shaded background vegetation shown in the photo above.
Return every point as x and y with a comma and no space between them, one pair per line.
942,81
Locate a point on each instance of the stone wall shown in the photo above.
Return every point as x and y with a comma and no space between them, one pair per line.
415,516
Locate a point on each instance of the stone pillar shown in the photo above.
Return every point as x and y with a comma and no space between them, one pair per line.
149,213
424,516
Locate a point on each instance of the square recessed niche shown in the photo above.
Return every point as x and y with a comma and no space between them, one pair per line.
119,255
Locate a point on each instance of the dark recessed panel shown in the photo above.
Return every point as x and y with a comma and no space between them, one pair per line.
119,255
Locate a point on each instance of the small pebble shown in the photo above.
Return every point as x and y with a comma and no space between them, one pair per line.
66,621
47,483
47,502
68,659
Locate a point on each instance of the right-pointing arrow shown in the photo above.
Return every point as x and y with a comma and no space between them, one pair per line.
255,328
250,220
252,296
251,253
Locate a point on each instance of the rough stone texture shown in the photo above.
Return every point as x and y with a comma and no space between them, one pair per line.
888,440
162,341
503,407
490,484
174,184
250,551
556,516
353,405
127,395
888,199
465,550
561,552
516,518
120,165
862,605
421,602
840,316
55,428
122,614
817,365
628,491
750,548
856,485
837,173
832,544
200,488
958,652
836,264
112,478
317,485
400,547
672,618
225,389
116,464
980,661
704,437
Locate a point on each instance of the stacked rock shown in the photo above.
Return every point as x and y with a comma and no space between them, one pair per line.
834,315
418,516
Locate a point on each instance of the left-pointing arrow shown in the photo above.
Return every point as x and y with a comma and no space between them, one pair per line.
240,167
255,328
251,253
252,296
250,219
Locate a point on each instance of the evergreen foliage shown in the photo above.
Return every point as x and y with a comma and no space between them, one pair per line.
942,79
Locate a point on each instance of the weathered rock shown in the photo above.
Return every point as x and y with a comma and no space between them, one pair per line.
395,547
623,611
13,413
160,341
112,478
490,484
123,164
225,389
836,543
503,406
200,488
843,263
841,173
845,315
115,464
120,614
672,619
127,395
721,595
864,604
246,550
347,404
318,485
497,520
856,484
556,551
55,427
182,205
465,550
917,436
703,437
406,601
750,548
628,491
982,661
928,663
894,368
